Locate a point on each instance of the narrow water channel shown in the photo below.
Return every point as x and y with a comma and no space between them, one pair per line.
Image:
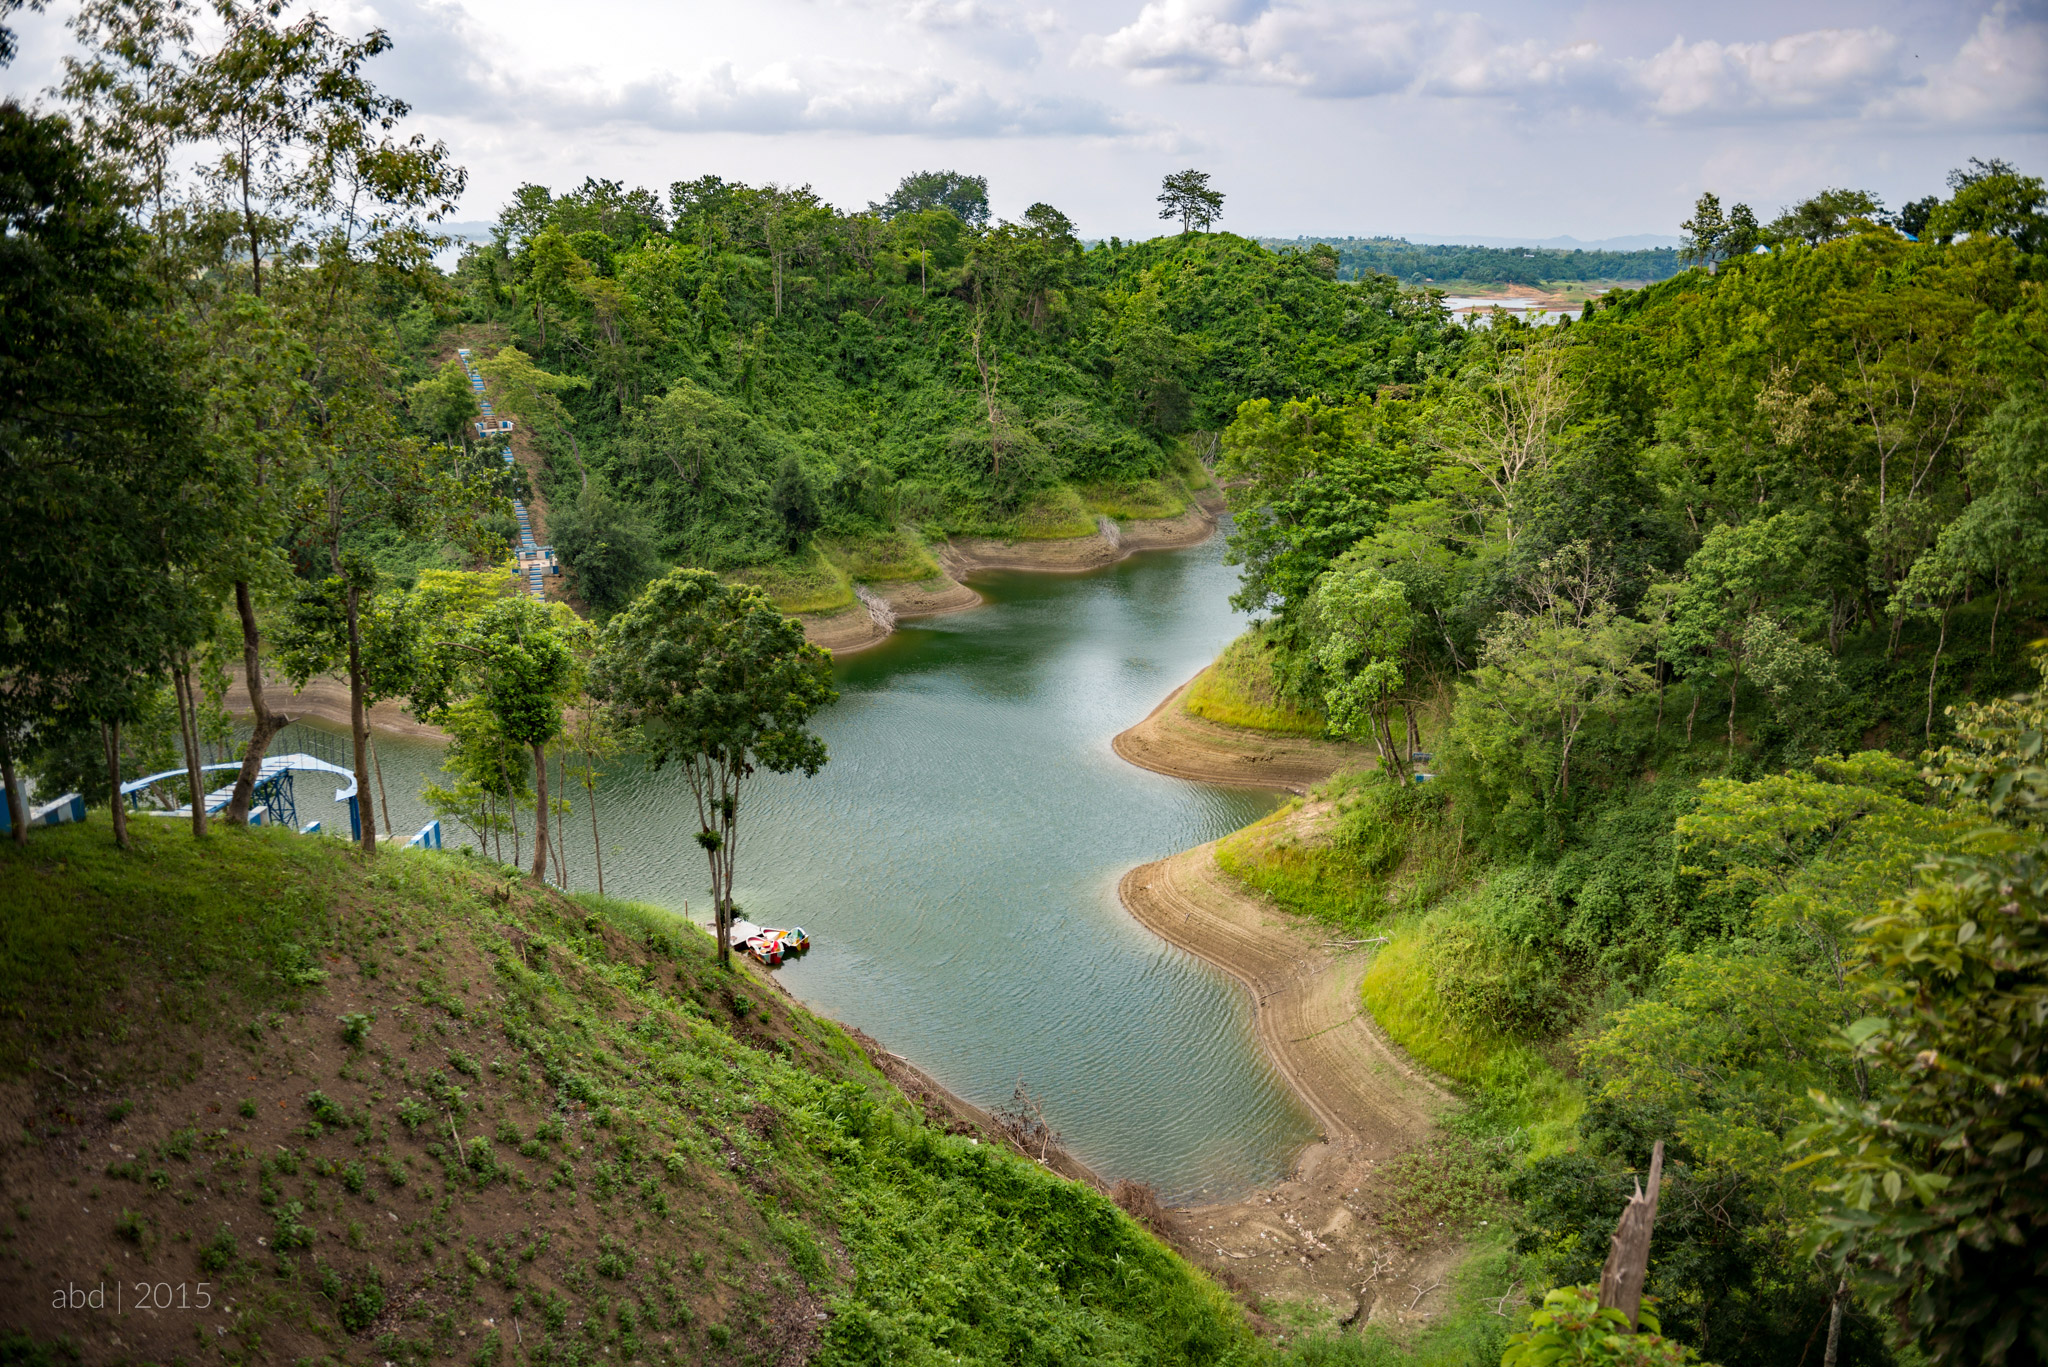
956,865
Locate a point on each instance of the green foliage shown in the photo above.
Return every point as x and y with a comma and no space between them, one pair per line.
607,546
1445,1190
1570,1327
720,683
1240,689
355,1028
444,404
1934,1181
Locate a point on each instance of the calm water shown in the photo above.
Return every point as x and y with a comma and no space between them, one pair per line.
956,866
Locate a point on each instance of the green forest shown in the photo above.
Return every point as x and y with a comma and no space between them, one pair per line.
1712,623
1708,625
1417,263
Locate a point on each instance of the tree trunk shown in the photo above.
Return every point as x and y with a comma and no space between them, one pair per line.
596,846
1662,670
110,737
17,807
540,814
1997,606
1690,715
264,724
1734,682
1835,1322
1940,645
188,732
358,721
561,846
1414,733
390,832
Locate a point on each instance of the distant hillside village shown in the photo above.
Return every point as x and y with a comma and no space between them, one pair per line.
1418,263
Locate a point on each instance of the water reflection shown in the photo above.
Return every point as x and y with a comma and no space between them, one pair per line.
956,866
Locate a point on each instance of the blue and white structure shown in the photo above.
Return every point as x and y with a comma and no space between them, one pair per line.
274,802
57,812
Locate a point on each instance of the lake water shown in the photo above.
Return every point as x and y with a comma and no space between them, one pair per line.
956,866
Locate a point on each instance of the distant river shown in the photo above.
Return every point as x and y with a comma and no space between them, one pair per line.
956,866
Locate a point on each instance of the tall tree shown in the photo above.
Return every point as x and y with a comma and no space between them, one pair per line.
963,196
1188,196
720,683
100,451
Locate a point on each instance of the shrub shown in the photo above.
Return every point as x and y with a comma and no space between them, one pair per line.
288,1231
327,1110
219,1253
355,1028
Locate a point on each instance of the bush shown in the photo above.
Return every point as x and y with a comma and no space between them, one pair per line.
606,545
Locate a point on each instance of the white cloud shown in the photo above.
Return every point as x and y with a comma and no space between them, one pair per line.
1349,51
447,57
1828,71
1999,74
1334,49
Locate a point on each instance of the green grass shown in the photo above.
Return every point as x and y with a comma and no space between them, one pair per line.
1056,514
724,1150
1391,862
884,558
1512,1084
806,583
1239,690
1137,499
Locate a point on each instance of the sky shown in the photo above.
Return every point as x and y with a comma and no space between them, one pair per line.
1596,120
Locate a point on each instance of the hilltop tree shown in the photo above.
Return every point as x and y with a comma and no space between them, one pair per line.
1187,196
720,683
963,196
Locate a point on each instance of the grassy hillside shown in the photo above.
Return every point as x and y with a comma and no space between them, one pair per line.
420,1111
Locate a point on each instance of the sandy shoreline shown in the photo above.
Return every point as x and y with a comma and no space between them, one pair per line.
962,555
325,699
855,628
1172,741
1309,1238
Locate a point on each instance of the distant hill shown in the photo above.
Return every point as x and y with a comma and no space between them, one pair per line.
1419,263
1639,242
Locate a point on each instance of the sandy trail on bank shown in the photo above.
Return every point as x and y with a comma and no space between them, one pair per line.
1175,742
1309,1238
857,627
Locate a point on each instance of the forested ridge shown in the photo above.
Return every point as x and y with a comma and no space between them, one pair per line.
916,369
1418,263
1716,611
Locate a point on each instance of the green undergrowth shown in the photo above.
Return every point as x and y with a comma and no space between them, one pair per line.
1485,1293
1127,500
575,1121
1381,851
1510,1085
1391,860
1054,514
809,582
892,557
1239,689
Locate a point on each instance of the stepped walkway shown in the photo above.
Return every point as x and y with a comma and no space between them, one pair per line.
535,561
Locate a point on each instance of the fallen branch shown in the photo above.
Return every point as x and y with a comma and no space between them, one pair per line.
1500,1306
1421,1291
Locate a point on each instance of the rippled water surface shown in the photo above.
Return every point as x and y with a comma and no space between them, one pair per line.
956,865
